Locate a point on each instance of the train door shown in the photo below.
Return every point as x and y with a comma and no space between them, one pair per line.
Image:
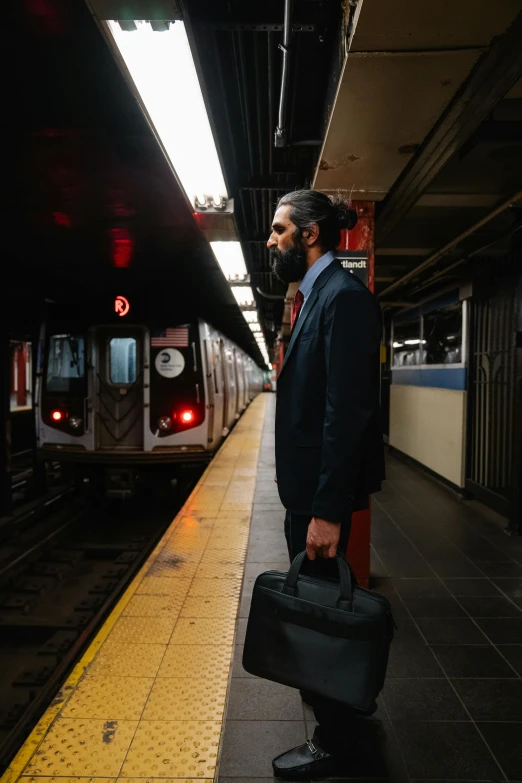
240,381
230,405
219,386
118,387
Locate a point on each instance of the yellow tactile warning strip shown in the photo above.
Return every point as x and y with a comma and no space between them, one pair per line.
147,699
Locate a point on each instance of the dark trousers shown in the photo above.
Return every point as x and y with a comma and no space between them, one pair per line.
334,718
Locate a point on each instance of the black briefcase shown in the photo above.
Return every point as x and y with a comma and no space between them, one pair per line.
316,634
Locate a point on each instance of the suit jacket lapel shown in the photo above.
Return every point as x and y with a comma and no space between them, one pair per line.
300,323
310,302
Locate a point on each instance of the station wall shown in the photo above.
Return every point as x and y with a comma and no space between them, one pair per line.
428,393
429,425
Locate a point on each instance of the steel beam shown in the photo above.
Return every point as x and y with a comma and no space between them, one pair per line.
492,77
417,270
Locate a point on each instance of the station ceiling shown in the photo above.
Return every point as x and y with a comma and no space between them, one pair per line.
415,106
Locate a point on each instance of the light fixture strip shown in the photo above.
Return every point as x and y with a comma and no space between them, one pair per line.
162,68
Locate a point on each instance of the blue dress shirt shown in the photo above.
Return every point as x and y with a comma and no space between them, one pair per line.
313,273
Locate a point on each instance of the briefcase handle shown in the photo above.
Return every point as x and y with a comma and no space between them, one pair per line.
346,579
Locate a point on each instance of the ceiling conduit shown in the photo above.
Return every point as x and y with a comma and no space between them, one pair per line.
280,136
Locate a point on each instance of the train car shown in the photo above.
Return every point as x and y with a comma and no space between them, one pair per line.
115,401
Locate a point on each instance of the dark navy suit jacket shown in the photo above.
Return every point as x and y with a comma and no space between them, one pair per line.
329,446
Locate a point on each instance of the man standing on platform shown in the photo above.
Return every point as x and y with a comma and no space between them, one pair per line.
329,448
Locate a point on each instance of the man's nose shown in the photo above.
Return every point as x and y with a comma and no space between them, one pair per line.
271,242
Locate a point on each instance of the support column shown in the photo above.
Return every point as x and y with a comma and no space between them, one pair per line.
360,238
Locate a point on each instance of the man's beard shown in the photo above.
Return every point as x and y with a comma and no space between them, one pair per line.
289,265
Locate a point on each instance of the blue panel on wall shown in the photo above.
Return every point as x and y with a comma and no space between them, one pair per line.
440,377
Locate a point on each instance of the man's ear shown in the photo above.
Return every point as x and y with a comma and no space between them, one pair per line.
311,235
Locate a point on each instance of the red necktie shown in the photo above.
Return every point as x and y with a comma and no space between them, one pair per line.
298,301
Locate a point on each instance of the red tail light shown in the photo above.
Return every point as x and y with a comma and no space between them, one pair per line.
187,417
56,415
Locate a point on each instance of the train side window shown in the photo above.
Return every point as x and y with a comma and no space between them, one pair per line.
407,347
122,360
442,330
65,363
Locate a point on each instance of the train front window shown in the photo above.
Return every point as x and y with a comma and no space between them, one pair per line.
66,362
122,358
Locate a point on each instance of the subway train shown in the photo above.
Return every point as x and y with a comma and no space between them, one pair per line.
122,401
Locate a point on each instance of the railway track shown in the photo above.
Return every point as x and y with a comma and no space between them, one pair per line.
59,579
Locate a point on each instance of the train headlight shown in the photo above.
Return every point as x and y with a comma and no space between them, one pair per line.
164,423
75,422
187,417
56,415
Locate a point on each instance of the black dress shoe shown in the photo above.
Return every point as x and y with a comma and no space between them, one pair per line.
306,762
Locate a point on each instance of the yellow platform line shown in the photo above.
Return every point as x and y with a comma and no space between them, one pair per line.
148,697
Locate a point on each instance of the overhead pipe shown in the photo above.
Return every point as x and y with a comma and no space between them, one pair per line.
454,242
270,101
280,136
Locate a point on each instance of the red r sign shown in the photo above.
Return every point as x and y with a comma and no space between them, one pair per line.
121,305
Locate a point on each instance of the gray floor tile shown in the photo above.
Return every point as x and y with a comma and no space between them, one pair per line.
257,699
508,631
241,630
237,665
221,779
447,569
434,607
491,700
468,661
268,509
260,552
244,606
410,656
248,586
490,606
505,744
513,653
471,587
250,746
445,751
399,563
451,631
420,588
256,568
501,570
421,700
511,587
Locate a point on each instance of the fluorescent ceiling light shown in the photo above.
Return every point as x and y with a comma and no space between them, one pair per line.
414,342
255,327
398,345
251,316
230,259
162,68
244,294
